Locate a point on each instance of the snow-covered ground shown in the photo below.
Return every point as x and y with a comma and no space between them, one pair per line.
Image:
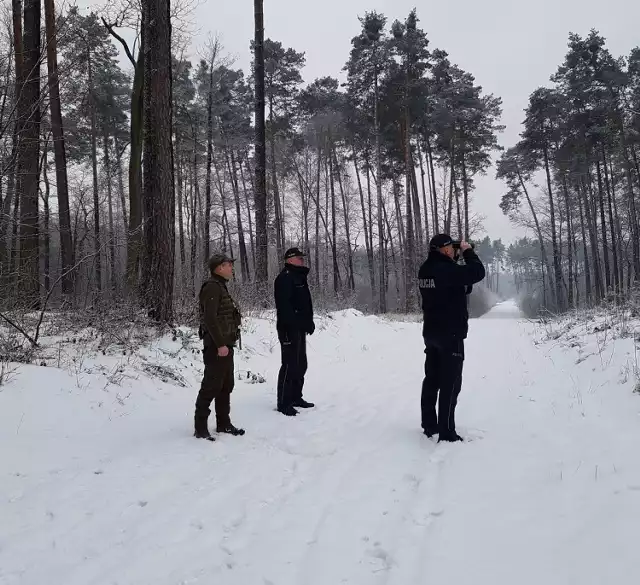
101,482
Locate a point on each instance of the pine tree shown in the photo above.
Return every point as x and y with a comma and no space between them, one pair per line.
158,194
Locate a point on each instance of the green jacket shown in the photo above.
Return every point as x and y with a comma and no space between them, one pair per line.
219,316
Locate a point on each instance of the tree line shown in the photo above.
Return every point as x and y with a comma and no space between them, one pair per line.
119,178
574,180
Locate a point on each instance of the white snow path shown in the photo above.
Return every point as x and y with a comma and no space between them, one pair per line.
547,491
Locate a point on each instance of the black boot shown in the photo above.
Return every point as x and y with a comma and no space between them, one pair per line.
302,403
230,430
288,411
201,428
450,437
430,431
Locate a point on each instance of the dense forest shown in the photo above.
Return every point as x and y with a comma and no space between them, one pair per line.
126,162
121,176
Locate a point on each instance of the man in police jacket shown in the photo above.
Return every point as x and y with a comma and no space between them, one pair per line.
444,286
294,322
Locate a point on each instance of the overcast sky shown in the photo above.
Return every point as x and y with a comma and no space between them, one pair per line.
510,46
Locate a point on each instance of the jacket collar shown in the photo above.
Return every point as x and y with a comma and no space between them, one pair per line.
301,270
436,256
218,279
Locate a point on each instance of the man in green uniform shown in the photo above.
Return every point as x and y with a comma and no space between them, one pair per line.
219,331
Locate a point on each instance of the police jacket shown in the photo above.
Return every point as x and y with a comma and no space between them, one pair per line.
444,285
293,300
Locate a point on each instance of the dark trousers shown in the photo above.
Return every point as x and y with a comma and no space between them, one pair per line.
293,345
217,384
443,380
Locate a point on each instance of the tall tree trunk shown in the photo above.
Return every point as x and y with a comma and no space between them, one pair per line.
159,186
603,226
135,235
465,188
9,200
424,198
635,228
567,204
382,297
367,227
557,267
94,167
246,196
432,187
242,246
207,195
194,215
409,256
589,203
417,212
327,238
47,234
585,249
15,241
260,151
181,239
394,257
29,212
317,238
399,221
62,185
614,243
369,204
334,249
17,175
274,184
305,197
345,208
121,192
616,216
452,182
307,205
112,235
458,211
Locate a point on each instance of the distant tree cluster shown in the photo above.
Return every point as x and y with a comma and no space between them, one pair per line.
580,148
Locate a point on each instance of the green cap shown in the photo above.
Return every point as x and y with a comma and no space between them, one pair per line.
217,259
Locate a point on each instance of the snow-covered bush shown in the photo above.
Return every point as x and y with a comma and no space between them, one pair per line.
481,300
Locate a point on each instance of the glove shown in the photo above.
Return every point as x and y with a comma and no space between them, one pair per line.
312,328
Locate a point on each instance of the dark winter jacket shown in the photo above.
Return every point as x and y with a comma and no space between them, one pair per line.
219,316
293,300
444,286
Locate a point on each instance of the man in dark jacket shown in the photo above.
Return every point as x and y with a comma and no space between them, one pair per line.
444,286
219,331
294,321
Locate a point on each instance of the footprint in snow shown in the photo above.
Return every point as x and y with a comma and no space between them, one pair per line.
413,480
382,555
